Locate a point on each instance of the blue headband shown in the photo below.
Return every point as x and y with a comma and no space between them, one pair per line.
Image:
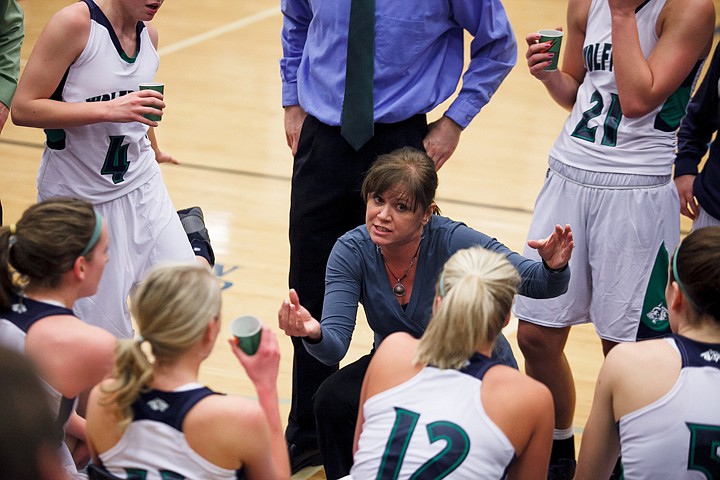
441,286
676,276
95,235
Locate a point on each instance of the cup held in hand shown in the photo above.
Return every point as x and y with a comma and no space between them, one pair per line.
248,331
158,87
555,38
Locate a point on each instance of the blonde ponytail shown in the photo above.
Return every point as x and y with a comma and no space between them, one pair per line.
172,307
477,288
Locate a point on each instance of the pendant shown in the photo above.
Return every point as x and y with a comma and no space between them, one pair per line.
399,289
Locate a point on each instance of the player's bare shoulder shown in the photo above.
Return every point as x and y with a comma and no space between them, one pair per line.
513,389
684,16
72,24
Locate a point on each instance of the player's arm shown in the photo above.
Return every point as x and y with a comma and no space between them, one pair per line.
562,84
533,449
59,45
102,421
68,369
685,28
601,440
160,156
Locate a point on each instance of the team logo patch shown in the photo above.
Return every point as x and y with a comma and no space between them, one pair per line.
158,404
711,356
18,308
654,314
658,315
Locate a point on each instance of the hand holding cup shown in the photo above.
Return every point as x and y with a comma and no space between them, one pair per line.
158,87
247,331
554,38
263,364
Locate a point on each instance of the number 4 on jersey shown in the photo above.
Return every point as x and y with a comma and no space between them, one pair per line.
116,159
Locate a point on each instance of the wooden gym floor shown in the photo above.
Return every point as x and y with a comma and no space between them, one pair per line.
224,122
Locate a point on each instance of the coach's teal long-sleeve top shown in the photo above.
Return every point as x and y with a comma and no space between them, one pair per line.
356,274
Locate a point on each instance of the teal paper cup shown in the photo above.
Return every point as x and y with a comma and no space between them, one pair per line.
158,87
554,37
248,331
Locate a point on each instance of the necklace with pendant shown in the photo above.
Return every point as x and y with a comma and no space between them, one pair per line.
399,289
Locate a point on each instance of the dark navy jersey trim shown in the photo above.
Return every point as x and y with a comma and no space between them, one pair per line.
55,137
57,94
67,407
98,16
697,354
24,312
478,365
169,408
639,7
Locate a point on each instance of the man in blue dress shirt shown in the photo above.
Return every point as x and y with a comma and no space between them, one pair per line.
418,62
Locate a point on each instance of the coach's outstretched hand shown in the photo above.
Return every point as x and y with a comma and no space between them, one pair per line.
556,248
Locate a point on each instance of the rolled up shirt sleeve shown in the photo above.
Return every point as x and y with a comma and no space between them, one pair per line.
296,21
11,36
493,53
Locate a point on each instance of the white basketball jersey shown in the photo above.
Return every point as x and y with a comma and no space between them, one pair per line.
14,325
154,446
597,136
102,161
434,426
678,436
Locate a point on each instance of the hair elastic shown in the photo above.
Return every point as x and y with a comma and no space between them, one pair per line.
442,284
95,235
676,275
140,339
12,240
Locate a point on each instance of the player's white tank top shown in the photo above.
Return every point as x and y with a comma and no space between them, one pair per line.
596,136
678,436
433,423
103,161
14,326
154,444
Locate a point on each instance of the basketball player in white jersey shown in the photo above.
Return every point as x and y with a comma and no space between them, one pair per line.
626,76
656,401
81,85
439,406
155,420
59,249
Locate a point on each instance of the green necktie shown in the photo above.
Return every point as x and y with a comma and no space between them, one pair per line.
357,122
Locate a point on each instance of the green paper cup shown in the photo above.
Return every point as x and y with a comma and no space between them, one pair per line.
158,87
555,37
248,331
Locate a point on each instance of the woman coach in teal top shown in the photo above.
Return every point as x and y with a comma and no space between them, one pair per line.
390,265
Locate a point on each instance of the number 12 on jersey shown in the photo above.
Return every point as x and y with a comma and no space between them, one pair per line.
457,446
